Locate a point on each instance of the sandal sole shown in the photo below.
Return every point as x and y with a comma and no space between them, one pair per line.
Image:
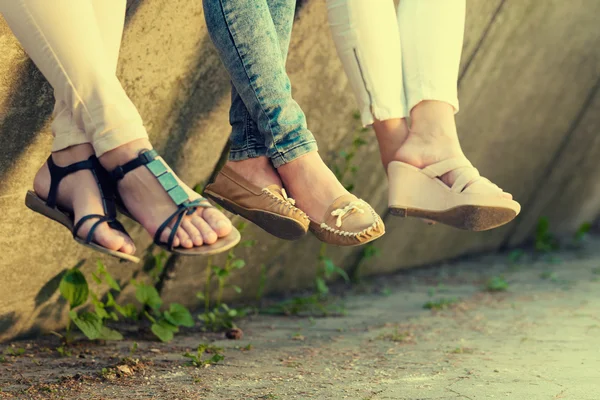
36,204
275,224
466,217
221,245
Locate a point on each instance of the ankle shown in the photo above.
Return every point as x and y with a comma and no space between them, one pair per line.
261,162
72,154
258,170
123,154
433,120
391,134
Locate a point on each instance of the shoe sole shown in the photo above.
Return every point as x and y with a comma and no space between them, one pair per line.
277,225
466,217
36,204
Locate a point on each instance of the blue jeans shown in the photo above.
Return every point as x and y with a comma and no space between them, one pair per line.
252,38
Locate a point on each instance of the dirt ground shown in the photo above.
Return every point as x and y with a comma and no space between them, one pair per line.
539,339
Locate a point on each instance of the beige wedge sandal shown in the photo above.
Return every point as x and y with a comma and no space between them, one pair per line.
472,203
50,209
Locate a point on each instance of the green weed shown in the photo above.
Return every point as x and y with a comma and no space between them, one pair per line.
440,304
582,233
496,284
221,316
544,241
313,305
75,289
515,256
200,360
398,336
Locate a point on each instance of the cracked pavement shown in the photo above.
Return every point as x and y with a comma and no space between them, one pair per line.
540,339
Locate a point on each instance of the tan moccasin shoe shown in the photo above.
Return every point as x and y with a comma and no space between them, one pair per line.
349,221
270,208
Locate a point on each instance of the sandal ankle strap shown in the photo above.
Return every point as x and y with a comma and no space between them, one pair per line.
57,174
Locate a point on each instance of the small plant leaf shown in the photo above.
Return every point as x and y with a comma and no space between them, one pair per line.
103,273
179,315
112,283
99,307
109,334
249,243
91,326
148,295
515,255
497,284
238,264
74,288
97,279
164,331
583,230
321,286
328,266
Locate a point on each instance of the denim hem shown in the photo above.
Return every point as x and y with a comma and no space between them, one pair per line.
288,155
246,153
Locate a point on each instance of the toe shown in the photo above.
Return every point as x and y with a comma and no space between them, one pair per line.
128,245
217,221
184,238
164,237
104,236
208,235
192,231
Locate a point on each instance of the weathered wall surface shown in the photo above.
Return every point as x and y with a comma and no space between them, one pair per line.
529,120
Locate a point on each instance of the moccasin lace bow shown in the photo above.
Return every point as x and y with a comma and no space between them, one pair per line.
351,208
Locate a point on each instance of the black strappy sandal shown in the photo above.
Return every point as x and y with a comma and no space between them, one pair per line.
50,209
185,206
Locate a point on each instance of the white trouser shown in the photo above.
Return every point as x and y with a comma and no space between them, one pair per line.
394,60
75,44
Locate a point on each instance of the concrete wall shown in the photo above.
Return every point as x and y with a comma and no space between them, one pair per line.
529,120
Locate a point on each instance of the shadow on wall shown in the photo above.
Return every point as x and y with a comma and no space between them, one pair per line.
26,118
196,105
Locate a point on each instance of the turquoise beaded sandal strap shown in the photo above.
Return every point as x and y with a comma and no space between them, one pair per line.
167,180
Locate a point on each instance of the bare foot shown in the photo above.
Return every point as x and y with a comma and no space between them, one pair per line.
257,170
432,138
148,202
312,184
79,193
391,134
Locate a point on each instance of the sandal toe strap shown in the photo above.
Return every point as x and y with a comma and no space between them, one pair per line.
90,235
182,210
468,179
117,225
443,167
